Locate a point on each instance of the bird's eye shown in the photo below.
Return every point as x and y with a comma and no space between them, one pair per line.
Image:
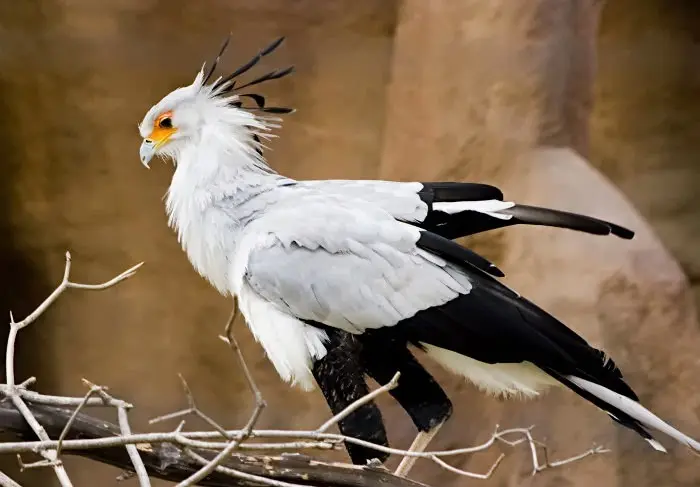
166,123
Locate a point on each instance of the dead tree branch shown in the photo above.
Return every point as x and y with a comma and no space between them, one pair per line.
168,461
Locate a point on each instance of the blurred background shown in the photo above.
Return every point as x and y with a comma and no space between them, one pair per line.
580,105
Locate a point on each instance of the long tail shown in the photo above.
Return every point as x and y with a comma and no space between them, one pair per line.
534,215
461,209
627,412
460,219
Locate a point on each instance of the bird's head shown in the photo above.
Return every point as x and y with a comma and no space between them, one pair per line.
179,118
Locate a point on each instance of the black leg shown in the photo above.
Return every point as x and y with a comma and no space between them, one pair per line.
418,392
342,381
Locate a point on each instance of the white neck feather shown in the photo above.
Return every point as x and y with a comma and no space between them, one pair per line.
214,175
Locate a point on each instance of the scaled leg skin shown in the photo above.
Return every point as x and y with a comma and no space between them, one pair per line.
342,381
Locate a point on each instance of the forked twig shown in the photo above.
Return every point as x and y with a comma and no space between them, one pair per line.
15,393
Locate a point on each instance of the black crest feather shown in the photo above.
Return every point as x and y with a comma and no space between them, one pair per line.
216,61
227,84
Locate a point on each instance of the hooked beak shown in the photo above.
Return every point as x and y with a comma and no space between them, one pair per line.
147,151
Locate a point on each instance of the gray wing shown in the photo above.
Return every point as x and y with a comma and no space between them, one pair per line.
353,268
400,199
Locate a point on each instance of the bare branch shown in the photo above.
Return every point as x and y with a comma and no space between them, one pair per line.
170,462
139,467
37,398
360,402
92,391
66,283
230,339
214,463
16,393
49,455
192,409
125,429
245,476
6,481
537,467
466,473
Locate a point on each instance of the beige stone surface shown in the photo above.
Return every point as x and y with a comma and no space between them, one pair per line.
646,118
488,91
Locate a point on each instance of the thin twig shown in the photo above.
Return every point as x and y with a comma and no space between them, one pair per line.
49,455
192,409
68,425
49,400
360,402
230,339
15,393
139,467
125,428
32,465
66,283
466,473
260,404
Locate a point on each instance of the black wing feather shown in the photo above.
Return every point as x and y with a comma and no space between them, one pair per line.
456,253
493,324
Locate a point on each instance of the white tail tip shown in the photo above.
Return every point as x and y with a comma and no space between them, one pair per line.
656,445
638,412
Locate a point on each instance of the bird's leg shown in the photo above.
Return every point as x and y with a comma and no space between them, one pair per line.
340,377
420,443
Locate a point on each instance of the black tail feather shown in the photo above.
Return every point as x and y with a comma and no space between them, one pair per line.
534,215
467,223
446,192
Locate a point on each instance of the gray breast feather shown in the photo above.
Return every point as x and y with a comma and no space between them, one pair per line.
347,267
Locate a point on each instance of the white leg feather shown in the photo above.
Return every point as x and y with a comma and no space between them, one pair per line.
290,344
636,411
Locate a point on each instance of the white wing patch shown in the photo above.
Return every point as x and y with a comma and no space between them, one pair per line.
488,207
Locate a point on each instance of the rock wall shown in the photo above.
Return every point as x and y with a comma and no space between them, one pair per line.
646,117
